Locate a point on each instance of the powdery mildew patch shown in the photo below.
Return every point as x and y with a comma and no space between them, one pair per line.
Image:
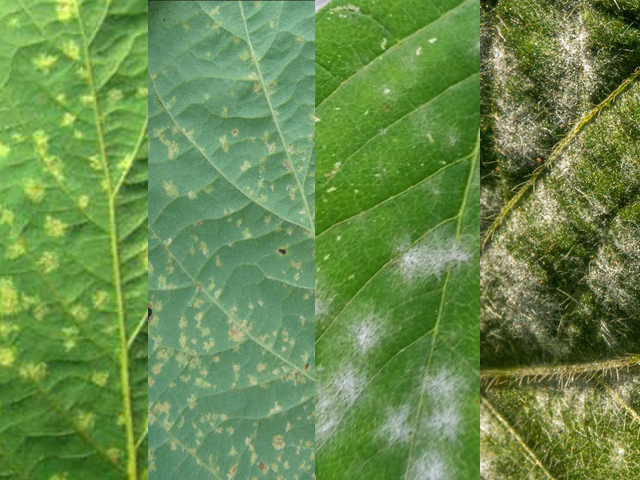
396,428
430,466
431,260
335,397
367,333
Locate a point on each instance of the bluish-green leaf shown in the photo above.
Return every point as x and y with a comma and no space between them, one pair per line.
231,380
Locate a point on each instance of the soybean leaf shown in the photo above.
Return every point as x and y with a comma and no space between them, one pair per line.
560,328
73,249
397,117
231,381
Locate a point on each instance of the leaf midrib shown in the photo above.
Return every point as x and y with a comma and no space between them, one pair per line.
285,146
125,383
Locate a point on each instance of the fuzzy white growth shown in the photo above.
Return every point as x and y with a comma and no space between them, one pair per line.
518,135
348,385
396,427
423,261
444,423
334,399
367,333
430,466
444,387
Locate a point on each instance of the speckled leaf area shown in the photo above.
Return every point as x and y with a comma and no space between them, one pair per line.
560,268
397,246
582,425
231,382
73,245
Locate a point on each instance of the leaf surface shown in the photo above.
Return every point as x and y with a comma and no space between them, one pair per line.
560,330
397,104
231,381
73,248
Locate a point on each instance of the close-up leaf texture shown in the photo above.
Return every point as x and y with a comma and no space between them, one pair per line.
231,249
73,242
560,267
397,246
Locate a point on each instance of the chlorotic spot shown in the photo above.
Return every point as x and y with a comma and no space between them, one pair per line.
34,190
66,10
4,151
7,356
48,262
71,50
85,421
55,227
278,442
44,62
35,372
9,298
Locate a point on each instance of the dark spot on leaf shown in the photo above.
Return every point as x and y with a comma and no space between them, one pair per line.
282,251
261,466
150,313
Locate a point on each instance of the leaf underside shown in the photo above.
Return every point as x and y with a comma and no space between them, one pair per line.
231,380
73,248
560,330
397,121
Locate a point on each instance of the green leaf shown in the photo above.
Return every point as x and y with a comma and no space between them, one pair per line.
73,248
397,109
560,331
231,380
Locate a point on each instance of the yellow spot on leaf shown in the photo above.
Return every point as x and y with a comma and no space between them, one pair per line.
115,95
16,250
4,151
70,335
44,62
66,10
71,50
79,312
171,189
55,227
34,190
224,143
7,356
68,119
236,334
9,298
48,262
100,299
85,421
100,378
278,442
83,202
34,371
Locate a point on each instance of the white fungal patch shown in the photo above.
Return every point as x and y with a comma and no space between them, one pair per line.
348,385
387,91
444,387
430,466
431,260
383,44
335,397
396,428
418,51
367,333
444,423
